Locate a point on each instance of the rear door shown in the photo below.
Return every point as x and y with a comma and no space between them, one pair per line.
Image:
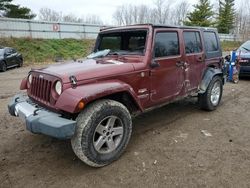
167,79
194,59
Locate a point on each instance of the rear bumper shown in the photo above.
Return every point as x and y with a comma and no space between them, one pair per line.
39,120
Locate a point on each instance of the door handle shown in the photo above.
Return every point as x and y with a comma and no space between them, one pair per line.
179,63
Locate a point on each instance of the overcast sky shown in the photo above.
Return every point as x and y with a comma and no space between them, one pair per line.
104,9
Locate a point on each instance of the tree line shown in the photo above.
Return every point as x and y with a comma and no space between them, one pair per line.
222,14
163,12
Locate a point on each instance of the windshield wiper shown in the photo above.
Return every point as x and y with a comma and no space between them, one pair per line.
107,52
99,54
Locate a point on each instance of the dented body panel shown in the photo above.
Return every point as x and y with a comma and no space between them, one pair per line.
87,80
90,92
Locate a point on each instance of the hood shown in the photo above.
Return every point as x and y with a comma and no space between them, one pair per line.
87,69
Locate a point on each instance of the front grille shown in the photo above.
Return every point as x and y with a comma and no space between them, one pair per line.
41,89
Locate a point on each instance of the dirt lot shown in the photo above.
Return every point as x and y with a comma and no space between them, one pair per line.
167,148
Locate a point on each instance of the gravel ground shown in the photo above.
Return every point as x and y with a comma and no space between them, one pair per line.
169,147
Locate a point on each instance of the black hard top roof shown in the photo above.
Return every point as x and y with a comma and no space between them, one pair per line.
160,26
183,27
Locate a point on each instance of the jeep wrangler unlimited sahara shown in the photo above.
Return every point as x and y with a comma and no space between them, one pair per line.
132,69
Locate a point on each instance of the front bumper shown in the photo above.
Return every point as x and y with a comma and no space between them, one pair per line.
39,120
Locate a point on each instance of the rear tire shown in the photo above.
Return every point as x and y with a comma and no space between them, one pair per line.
102,133
211,98
20,64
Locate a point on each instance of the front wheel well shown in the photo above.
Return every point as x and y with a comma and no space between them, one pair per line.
126,99
122,97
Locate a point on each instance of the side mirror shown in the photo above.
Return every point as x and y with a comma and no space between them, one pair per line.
154,64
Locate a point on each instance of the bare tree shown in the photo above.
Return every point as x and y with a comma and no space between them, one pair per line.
70,18
242,22
128,14
143,14
47,14
132,14
92,19
179,13
161,12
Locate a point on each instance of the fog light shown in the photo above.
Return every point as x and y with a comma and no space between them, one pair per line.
80,105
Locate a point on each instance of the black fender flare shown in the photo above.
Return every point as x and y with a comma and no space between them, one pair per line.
207,77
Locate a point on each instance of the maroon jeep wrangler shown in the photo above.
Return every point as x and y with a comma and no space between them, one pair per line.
132,69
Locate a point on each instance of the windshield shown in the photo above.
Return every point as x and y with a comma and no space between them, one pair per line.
245,47
122,43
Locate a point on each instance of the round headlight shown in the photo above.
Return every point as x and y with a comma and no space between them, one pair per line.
30,78
58,87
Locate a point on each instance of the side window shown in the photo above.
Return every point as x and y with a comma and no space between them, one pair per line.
166,44
192,41
211,42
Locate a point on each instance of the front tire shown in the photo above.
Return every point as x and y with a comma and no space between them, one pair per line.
102,133
211,98
20,64
4,67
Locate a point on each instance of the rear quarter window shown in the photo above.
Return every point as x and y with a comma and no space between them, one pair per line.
211,42
212,45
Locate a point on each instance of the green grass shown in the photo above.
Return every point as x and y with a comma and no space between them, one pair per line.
230,45
46,50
